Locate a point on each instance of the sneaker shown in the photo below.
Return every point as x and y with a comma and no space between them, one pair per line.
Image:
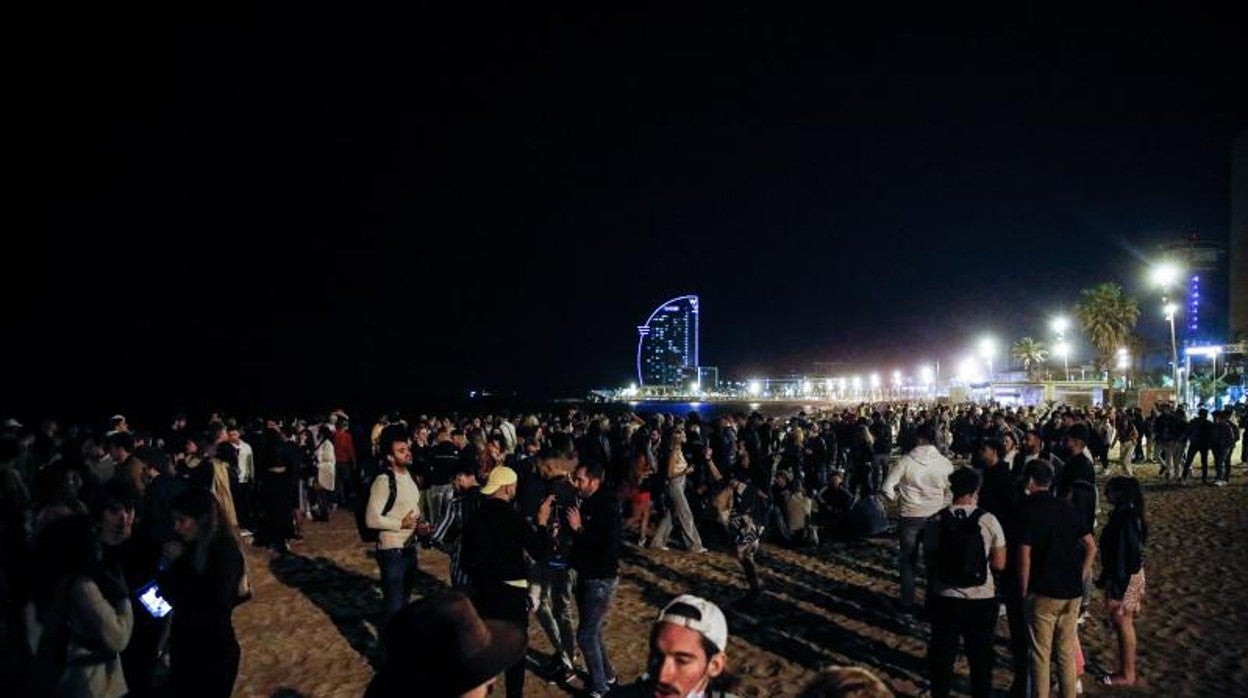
560,673
700,550
1220,483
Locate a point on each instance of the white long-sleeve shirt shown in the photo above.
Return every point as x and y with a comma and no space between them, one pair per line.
246,462
921,478
392,535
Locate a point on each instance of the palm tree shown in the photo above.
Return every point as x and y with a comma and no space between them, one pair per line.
1207,386
1030,354
1107,317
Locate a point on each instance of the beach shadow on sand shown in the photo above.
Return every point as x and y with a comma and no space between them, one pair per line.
351,600
776,623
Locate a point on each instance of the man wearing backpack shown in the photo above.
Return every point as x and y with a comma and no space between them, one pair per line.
961,543
393,512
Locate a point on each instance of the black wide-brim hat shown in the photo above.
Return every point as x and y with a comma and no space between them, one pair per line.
440,646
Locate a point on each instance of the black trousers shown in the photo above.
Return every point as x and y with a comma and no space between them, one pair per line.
1204,461
971,621
498,601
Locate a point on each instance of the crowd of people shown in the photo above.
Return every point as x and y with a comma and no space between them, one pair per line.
121,550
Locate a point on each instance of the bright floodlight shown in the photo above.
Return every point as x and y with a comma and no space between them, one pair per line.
694,386
896,377
927,374
756,387
875,380
806,387
1170,309
1166,274
857,382
1062,349
968,369
1124,359
987,347
1060,325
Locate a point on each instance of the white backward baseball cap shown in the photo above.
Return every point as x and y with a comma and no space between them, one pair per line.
710,621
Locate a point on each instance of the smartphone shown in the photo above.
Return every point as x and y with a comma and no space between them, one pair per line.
156,605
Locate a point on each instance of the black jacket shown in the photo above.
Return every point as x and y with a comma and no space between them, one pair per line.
596,547
442,461
1122,551
495,541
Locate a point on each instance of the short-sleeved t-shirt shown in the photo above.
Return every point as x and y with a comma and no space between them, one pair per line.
993,537
1054,530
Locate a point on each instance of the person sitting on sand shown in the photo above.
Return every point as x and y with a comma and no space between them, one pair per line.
1122,570
687,652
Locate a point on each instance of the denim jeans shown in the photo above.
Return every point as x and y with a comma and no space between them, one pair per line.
909,531
1222,463
398,576
593,601
551,594
678,507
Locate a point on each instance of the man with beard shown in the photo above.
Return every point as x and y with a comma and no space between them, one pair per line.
687,652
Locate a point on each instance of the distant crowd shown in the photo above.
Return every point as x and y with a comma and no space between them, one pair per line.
121,548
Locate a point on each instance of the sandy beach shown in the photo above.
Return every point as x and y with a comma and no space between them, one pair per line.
309,632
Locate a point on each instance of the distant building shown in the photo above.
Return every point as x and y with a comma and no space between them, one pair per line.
667,344
1204,314
1239,239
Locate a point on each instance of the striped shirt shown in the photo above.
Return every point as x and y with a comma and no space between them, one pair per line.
452,525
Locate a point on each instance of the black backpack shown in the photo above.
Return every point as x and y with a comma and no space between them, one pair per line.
961,560
372,535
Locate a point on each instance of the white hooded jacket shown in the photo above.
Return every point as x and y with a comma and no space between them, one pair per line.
921,478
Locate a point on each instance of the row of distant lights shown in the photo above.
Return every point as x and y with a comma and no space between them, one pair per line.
1163,275
842,385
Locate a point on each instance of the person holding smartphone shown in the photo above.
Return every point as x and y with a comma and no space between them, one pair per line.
204,570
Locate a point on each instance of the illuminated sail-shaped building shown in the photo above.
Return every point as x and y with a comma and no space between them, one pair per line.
667,344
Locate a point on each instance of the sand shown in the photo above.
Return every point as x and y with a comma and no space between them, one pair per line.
308,631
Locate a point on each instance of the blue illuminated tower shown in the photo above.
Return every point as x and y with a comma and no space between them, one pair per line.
667,344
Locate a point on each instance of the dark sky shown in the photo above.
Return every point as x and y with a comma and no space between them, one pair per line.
294,206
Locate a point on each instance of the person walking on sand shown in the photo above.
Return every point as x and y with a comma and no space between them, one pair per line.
677,512
920,481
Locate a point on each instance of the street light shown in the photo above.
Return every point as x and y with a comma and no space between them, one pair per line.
1062,349
1164,276
1060,325
987,348
1124,363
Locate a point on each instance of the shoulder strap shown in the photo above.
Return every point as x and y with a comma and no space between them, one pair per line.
394,492
976,515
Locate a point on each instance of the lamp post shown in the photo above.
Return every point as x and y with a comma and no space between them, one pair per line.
1165,275
1062,349
987,348
1059,325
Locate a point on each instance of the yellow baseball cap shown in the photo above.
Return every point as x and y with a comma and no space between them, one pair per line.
500,476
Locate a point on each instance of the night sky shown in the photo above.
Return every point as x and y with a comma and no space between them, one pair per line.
295,207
